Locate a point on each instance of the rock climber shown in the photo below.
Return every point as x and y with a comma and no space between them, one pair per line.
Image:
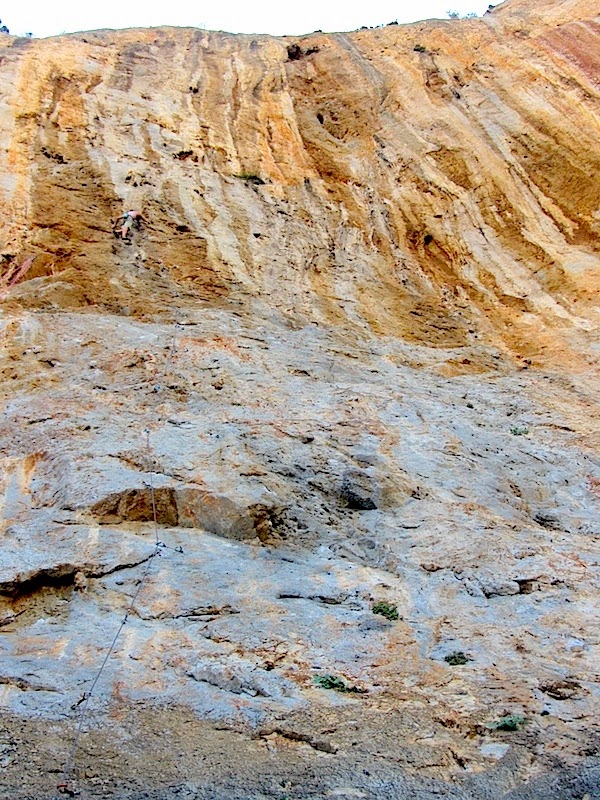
130,218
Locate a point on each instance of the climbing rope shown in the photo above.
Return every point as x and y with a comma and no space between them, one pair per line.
65,786
151,484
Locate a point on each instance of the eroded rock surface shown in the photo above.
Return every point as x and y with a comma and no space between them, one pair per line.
350,360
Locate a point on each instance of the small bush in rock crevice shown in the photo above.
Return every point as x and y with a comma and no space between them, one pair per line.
516,431
387,610
337,684
510,722
457,658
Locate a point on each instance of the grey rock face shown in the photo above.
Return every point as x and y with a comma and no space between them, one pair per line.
285,511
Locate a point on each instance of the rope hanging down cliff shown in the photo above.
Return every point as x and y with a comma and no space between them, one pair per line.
65,786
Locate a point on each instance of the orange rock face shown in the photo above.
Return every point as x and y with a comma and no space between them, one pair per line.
436,181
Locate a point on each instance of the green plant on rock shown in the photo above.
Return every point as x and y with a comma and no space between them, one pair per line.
387,610
516,431
330,682
510,722
337,684
457,658
420,48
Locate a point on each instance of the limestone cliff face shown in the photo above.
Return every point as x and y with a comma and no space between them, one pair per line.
348,365
436,181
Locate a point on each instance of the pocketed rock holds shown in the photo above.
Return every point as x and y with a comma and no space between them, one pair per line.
547,520
359,492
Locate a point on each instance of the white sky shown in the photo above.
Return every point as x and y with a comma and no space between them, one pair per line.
47,18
